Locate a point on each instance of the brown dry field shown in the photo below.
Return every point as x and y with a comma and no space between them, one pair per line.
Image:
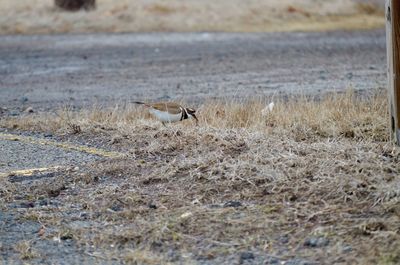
314,180
40,17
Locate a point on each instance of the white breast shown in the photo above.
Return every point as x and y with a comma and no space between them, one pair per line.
165,116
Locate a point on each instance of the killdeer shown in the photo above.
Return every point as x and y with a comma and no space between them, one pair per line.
169,111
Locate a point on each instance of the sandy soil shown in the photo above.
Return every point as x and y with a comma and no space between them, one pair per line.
37,16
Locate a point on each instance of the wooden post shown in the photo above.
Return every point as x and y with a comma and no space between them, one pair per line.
75,5
393,56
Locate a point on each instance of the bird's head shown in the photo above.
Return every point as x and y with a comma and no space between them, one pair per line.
191,112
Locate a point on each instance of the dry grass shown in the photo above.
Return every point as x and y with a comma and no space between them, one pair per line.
239,182
299,117
25,250
38,16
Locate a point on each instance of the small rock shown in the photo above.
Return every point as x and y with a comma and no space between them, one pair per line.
84,215
54,203
3,110
116,208
316,242
284,239
152,206
173,256
156,245
272,261
246,256
233,204
14,113
116,140
165,97
27,205
48,135
23,99
186,215
29,110
347,249
43,202
55,191
196,202
66,236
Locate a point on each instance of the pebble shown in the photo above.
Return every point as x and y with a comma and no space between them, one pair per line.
14,113
43,202
27,205
246,256
115,140
84,215
272,261
29,110
54,203
152,206
233,204
66,237
316,242
23,99
186,215
53,192
347,249
116,208
349,75
284,239
173,256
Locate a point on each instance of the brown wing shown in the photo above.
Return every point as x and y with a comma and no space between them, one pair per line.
171,107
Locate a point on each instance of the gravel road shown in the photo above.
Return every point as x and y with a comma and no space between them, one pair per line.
49,71
46,72
17,155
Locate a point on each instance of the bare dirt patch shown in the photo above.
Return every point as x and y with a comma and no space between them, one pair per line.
313,181
39,16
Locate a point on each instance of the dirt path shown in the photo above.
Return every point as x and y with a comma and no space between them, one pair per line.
47,72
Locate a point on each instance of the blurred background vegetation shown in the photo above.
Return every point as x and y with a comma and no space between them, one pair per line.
82,16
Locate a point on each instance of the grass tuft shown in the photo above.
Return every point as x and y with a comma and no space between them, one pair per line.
25,250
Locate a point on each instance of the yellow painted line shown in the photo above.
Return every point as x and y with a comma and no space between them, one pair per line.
29,172
63,145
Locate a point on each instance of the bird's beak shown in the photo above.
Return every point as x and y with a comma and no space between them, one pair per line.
194,116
